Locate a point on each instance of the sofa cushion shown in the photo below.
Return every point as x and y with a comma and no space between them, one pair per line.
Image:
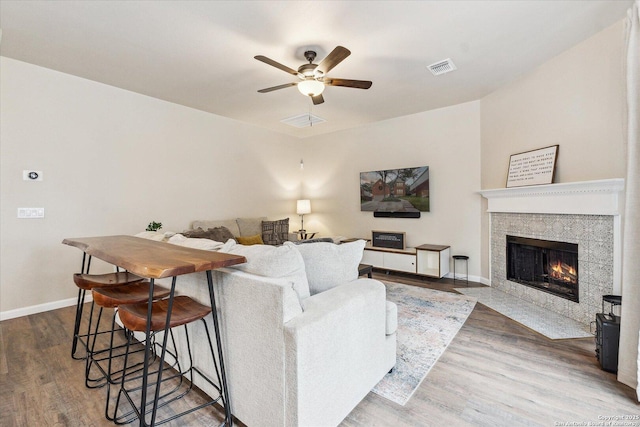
275,232
329,265
316,240
230,224
218,234
250,226
195,243
272,261
250,240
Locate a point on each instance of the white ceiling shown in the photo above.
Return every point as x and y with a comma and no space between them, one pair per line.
200,53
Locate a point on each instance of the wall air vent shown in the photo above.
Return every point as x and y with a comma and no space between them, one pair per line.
303,120
442,67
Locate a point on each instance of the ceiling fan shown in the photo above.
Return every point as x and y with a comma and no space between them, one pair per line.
313,77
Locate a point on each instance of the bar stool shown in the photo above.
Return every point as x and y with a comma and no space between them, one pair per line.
87,282
112,297
466,262
162,315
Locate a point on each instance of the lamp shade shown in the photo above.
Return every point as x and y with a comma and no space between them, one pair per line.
304,207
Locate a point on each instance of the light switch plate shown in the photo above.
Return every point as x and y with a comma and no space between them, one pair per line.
32,213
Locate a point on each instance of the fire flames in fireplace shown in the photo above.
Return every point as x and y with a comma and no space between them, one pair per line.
564,272
545,265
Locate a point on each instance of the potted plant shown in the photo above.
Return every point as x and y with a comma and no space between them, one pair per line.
154,226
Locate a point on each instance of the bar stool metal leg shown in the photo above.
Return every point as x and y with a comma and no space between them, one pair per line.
79,307
112,297
162,316
85,282
224,392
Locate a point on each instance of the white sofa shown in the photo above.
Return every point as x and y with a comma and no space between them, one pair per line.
293,359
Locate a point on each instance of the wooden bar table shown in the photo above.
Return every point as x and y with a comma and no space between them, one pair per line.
156,260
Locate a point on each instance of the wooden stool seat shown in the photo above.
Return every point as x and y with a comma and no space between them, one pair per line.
135,293
87,282
184,310
91,281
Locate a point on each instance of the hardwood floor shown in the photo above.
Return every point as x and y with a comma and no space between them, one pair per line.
494,373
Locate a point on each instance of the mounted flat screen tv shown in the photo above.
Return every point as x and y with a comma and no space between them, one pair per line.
395,192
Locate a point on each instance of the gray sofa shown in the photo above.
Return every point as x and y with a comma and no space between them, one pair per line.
244,227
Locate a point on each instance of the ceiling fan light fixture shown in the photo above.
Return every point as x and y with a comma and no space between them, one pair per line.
311,87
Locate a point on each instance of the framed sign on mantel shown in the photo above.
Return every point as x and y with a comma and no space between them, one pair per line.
533,167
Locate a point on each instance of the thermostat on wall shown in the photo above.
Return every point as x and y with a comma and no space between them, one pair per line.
31,175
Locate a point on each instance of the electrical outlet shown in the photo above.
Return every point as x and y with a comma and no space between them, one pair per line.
31,175
31,213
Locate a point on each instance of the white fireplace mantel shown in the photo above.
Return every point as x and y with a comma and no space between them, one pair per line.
602,197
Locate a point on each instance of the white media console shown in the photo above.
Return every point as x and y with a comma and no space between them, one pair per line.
425,260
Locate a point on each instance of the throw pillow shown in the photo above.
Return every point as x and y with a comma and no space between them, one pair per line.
204,244
316,240
250,240
219,234
270,261
231,225
275,232
250,226
329,265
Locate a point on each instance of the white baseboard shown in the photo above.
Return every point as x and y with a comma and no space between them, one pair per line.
41,308
461,277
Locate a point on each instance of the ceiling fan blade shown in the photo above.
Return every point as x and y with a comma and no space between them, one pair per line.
271,89
336,56
318,99
276,64
358,84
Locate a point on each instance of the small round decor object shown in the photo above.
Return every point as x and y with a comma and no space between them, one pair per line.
461,257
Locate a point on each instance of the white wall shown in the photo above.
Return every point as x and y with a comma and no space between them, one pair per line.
447,140
575,100
113,161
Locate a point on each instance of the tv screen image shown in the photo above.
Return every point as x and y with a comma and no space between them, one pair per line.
395,190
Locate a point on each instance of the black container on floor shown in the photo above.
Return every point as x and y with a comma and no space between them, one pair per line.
608,335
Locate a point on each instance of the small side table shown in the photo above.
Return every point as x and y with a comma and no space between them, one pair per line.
365,269
304,234
466,262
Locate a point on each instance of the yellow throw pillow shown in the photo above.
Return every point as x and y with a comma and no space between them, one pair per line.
250,240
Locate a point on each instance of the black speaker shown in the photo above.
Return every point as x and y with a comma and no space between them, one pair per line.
607,341
380,214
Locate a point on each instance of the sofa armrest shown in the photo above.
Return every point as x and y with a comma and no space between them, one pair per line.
335,351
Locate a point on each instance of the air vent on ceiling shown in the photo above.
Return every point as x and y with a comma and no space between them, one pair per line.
442,67
303,120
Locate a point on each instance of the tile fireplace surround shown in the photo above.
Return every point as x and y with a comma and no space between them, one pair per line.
586,213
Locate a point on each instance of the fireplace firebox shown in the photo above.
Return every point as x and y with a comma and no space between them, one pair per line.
546,265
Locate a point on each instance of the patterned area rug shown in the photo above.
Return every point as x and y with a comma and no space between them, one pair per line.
546,322
427,322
